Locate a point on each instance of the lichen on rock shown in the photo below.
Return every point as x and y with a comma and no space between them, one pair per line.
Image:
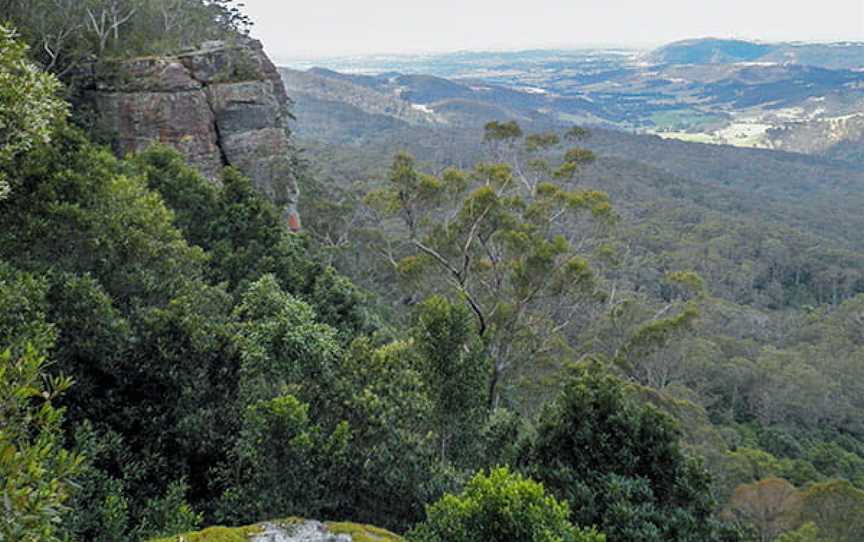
290,530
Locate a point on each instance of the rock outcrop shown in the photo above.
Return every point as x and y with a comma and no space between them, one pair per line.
222,104
308,531
290,530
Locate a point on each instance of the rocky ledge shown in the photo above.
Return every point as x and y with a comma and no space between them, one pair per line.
222,104
290,530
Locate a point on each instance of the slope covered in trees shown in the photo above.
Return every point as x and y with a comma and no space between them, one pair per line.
525,347
63,34
202,368
750,347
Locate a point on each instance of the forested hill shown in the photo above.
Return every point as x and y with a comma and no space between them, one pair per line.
794,97
526,331
728,51
812,194
773,235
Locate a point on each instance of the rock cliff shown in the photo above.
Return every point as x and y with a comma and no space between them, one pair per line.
222,104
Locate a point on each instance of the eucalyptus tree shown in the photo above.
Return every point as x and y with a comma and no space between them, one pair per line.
64,34
504,239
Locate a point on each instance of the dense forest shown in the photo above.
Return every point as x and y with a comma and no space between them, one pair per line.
529,340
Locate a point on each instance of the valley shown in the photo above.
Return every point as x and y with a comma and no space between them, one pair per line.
544,295
798,97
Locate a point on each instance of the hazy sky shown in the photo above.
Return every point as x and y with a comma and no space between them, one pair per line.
331,27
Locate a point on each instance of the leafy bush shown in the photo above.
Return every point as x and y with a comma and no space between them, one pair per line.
619,464
500,507
36,472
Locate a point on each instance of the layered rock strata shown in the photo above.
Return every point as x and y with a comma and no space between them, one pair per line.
223,104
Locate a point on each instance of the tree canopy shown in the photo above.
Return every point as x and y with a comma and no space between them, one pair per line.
500,507
29,105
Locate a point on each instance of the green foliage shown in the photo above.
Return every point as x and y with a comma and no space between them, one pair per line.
340,303
168,515
64,34
748,465
497,238
129,307
619,465
574,159
283,464
282,346
76,212
163,356
246,238
501,436
456,372
36,472
392,460
23,304
655,335
536,142
29,106
99,508
806,533
837,509
500,507
184,190
498,131
577,133
210,345
92,341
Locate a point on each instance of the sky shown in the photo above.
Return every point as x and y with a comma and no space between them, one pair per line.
320,28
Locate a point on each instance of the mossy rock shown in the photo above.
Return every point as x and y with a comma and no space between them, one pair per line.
363,533
357,532
215,534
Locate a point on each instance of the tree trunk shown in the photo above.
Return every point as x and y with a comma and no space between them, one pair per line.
493,386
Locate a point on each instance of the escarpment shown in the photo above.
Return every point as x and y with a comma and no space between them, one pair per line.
223,104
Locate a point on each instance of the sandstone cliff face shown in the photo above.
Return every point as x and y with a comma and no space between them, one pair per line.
224,104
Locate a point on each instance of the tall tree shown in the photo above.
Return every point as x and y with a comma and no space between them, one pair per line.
837,508
496,238
768,506
456,372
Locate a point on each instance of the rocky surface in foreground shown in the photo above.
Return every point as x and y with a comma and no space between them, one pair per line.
290,530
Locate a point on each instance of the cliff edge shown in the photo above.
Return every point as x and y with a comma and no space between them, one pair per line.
222,104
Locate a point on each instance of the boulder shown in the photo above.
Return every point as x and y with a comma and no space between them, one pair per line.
289,530
307,531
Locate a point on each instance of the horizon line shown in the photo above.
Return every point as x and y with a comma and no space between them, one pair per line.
632,46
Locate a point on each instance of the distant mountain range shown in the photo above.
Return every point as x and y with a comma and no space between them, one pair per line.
788,96
841,55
